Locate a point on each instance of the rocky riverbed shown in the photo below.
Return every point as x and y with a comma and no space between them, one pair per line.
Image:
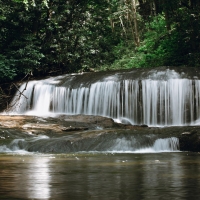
79,127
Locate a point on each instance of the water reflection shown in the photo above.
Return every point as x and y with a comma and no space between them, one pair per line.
38,179
166,178
100,176
25,176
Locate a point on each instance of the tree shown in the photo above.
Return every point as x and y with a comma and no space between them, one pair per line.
55,36
47,37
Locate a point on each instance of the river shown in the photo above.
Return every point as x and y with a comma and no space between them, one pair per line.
100,175
40,159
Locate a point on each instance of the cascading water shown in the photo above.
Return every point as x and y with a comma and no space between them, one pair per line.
163,98
99,143
159,145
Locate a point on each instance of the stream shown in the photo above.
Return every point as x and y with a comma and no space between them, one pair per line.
124,135
102,175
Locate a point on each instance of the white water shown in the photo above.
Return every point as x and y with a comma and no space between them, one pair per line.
12,148
160,145
15,147
120,145
153,102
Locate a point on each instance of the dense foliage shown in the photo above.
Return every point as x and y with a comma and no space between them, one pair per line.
169,34
47,37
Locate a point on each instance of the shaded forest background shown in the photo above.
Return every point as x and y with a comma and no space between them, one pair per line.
51,37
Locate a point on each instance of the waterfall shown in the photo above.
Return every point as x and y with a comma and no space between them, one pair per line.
166,144
162,102
99,143
134,145
161,145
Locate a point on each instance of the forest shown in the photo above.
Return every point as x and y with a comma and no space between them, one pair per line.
51,37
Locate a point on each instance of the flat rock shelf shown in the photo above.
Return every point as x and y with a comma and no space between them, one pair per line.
83,127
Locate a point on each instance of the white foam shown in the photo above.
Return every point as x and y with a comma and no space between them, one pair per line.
5,149
123,145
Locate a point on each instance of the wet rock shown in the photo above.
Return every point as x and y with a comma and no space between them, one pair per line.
189,133
13,127
190,141
74,128
58,124
39,126
186,133
144,125
89,119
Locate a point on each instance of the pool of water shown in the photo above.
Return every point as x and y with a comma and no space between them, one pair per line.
93,175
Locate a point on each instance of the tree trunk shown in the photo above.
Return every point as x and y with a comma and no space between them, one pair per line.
122,24
137,39
111,20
